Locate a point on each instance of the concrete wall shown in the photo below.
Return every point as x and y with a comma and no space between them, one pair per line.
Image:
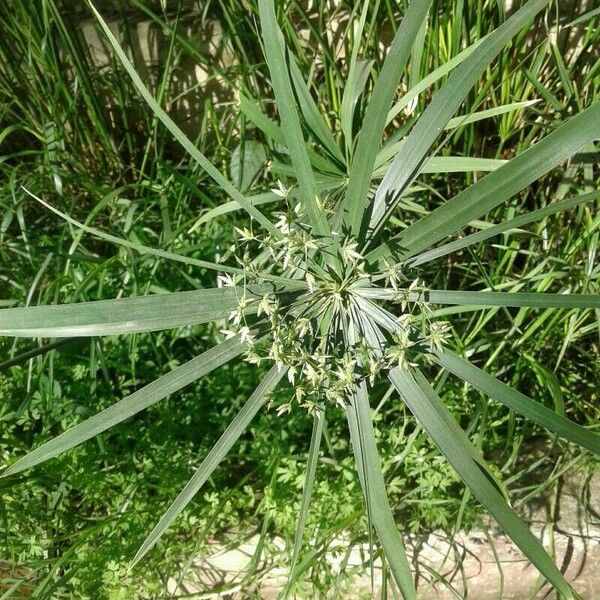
194,83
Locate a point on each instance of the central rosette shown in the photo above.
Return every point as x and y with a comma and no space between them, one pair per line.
334,326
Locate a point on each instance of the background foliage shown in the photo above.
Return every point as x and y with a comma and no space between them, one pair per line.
75,133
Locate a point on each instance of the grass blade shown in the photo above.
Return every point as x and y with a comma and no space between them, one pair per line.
135,246
309,482
427,81
445,103
367,459
485,234
487,114
253,112
214,457
358,74
275,54
369,138
354,88
498,186
164,118
131,405
314,119
431,412
518,402
452,164
135,314
275,134
519,299
232,206
147,250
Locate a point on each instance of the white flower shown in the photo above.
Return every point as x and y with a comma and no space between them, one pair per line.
284,409
280,190
267,305
245,234
348,250
228,333
291,374
282,224
439,332
246,335
225,281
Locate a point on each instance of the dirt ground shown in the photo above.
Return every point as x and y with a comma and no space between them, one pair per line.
480,565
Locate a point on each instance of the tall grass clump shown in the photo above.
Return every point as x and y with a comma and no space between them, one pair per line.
353,282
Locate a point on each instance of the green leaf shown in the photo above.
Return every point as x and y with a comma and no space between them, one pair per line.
487,114
373,484
135,314
314,119
273,132
232,206
445,103
453,164
431,412
164,118
309,482
134,245
518,402
427,81
214,457
252,112
247,161
358,74
520,299
275,54
132,404
496,187
353,90
461,164
585,17
369,138
485,234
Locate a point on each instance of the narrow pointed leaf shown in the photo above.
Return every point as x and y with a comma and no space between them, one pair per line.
214,457
252,111
489,113
353,90
453,164
313,118
135,314
433,415
369,464
369,138
146,249
438,113
518,299
233,206
358,74
485,234
498,186
189,146
309,482
273,132
275,54
132,404
518,402
430,79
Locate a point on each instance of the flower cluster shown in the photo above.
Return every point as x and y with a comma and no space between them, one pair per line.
330,333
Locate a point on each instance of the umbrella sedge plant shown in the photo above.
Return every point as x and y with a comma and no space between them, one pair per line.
327,293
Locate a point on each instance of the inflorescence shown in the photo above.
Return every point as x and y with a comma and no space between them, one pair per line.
331,334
